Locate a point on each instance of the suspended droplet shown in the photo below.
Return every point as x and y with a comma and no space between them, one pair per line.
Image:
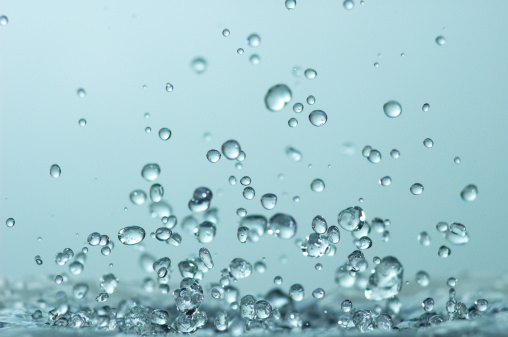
392,109
213,156
277,280
156,192
456,160
293,122
150,172
319,224
81,93
310,73
231,149
131,235
164,133
374,156
253,40
163,233
55,171
296,292
385,181
311,100
395,154
416,189
424,239
422,278
440,40
457,234
4,20
317,185
240,268
199,65
428,304
282,225
10,222
148,129
290,4
293,154
249,193
346,306
469,193
268,201
426,107
254,59
277,97
318,118
318,293
444,251
386,280
315,245
348,4
225,32
205,232
481,305
239,51
428,142
82,122
169,87
206,257
351,218
138,197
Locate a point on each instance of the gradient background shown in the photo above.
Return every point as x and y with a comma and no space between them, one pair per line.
112,49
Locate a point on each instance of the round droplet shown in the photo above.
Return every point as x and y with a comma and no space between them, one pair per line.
427,142
268,201
294,154
55,171
444,251
213,156
254,59
150,172
131,235
239,51
156,192
239,268
298,107
169,87
277,97
310,73
225,32
311,100
249,193
428,304
385,181
440,40
282,225
348,4
293,122
81,93
10,222
148,129
395,154
205,232
481,304
4,20
318,293
277,280
392,109
165,133
290,4
346,306
241,212
319,225
253,40
82,122
424,239
416,189
317,185
426,107
296,292
58,279
469,193
351,218
318,118
456,160
422,278
138,197
199,65
231,149
318,266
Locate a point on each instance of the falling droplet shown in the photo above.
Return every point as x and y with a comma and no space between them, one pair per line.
374,156
348,4
426,107
469,193
10,222
169,87
249,193
231,149
138,197
293,122
456,160
440,40
310,73
55,171
150,172
199,65
318,118
225,32
213,156
81,93
317,185
444,251
311,100
385,181
428,143
290,4
131,235
392,109
164,133
4,20
253,40
268,201
395,154
277,97
254,59
293,154
318,293
416,189
239,51
282,225
386,280
82,122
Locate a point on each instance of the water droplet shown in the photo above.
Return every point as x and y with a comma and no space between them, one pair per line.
444,251
165,133
311,100
231,149
386,280
318,266
282,225
481,304
348,4
422,278
10,222
225,32
392,109
376,64
277,280
424,239
374,156
163,233
346,306
428,142
150,172
317,185
262,309
318,117
426,107
156,192
293,154
310,73
58,279
319,225
395,154
131,235
254,59
82,122
249,193
293,122
148,129
351,218
189,296
240,268
363,243
296,292
318,293
4,20
428,304
213,156
457,234
81,93
55,171
416,189
290,4
199,65
169,87
205,232
253,40
138,197
456,160
440,40
385,181
268,201
469,193
315,245
277,97
240,51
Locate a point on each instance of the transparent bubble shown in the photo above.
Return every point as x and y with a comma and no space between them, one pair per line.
374,156
293,122
395,154
351,218
319,224
131,235
451,282
416,189
81,93
363,243
318,293
422,278
148,129
38,260
444,251
239,51
4,20
427,142
240,268
424,239
317,185
315,245
346,306
213,156
189,296
205,232
150,172
310,73
282,225
386,280
58,279
457,234
296,292
293,154
169,87
440,40
10,222
311,100
164,133
231,149
385,181
253,40
199,65
392,109
55,171
318,266
348,4
333,234
481,305
80,290
225,32
249,193
426,107
298,107
82,122
156,192
262,309
268,201
277,97
138,197
254,59
428,304
206,257
318,118
277,280
469,193
290,4
456,160
241,212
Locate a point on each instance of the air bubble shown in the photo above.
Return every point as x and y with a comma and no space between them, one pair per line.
231,149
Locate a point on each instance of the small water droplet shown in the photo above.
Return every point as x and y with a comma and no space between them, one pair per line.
81,93
290,4
376,64
440,40
456,160
444,251
269,201
428,142
164,134
231,149
225,32
426,107
138,197
348,4
318,118
254,59
385,181
131,235
4,20
374,156
151,171
428,304
240,51
392,109
55,171
199,65
395,154
213,156
416,189
318,293
293,122
310,73
10,222
469,193
82,122
253,40
317,185
311,100
169,87
277,97
249,193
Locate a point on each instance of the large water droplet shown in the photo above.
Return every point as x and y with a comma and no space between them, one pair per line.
277,97
317,185
348,4
253,40
268,201
469,193
165,133
199,65
392,109
231,149
150,171
416,189
282,225
318,118
55,171
81,93
131,235
290,4
213,156
386,280
138,197
293,153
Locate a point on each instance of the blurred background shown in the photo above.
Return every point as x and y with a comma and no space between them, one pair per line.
124,53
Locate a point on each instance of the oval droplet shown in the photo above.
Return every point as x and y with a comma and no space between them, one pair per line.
392,109
318,118
55,171
150,172
469,193
131,235
277,97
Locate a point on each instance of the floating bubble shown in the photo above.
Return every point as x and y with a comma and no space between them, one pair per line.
310,73
82,122
318,118
55,171
427,142
277,97
386,280
131,235
253,40
469,193
392,109
422,278
249,193
318,293
290,4
317,185
213,156
416,189
150,172
395,154
348,4
268,201
440,40
10,222
282,225
240,268
205,232
199,65
374,156
444,251
426,107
